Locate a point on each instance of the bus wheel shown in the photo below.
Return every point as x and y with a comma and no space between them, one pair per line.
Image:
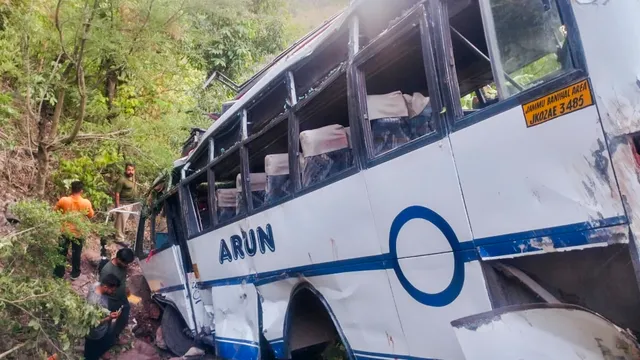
173,331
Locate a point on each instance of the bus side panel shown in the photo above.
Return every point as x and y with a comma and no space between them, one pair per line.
331,224
610,41
517,178
427,327
165,275
427,178
236,322
361,303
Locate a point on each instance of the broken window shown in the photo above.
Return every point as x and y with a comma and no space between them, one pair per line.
397,107
228,135
199,191
323,121
529,43
271,103
229,199
269,164
325,61
375,16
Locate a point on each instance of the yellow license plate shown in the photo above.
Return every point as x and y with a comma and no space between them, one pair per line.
562,102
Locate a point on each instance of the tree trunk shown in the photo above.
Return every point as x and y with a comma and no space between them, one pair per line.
43,169
112,81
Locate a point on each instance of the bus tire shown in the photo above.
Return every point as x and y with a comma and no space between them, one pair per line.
173,331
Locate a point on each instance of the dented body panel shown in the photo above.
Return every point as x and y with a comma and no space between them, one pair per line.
617,90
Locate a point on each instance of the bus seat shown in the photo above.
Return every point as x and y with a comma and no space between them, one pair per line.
276,166
258,183
162,239
326,152
226,200
420,115
387,115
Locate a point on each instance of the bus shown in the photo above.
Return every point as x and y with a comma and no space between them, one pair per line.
435,179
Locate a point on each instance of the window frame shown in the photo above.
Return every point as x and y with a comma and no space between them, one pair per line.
138,247
286,117
438,17
401,28
294,133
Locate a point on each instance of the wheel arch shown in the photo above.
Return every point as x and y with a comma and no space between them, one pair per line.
296,294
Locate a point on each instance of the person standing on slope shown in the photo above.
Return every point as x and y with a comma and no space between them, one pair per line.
125,194
71,236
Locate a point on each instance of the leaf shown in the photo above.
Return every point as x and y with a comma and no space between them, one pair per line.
34,324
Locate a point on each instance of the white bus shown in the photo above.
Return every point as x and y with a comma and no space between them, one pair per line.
437,179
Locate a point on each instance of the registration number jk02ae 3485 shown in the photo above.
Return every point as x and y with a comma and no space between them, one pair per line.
558,103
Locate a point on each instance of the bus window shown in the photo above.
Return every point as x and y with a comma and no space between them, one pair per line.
398,106
323,139
271,104
229,199
228,135
325,62
529,43
377,15
199,191
269,155
161,231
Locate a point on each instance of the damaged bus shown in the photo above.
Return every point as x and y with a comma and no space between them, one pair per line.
436,179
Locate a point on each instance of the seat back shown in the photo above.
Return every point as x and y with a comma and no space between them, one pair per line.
276,167
326,152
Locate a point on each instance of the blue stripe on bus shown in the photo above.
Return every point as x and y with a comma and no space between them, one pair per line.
227,348
169,289
366,355
557,230
563,236
581,238
277,345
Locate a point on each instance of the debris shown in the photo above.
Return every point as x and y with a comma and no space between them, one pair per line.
160,339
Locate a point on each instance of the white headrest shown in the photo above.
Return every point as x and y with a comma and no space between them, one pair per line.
258,181
416,103
226,197
323,140
387,106
276,164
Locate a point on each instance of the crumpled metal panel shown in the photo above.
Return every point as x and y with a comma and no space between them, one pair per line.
543,331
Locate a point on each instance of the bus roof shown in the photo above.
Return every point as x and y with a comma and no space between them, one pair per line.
296,53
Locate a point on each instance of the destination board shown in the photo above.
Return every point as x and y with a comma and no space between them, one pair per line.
562,102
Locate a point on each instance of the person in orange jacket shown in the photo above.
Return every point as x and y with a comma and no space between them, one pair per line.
74,202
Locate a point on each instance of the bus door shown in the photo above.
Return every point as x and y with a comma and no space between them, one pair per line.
165,261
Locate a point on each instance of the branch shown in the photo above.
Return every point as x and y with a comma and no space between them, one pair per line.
6,353
59,28
175,15
79,53
31,297
35,318
144,24
85,137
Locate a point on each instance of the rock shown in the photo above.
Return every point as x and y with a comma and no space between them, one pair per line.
194,352
92,257
160,339
141,351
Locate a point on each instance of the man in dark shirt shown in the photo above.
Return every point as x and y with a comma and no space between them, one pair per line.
100,338
125,194
118,268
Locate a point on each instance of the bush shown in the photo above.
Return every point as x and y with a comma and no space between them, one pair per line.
40,314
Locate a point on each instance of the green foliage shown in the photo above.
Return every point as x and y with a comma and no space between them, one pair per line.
37,310
93,171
